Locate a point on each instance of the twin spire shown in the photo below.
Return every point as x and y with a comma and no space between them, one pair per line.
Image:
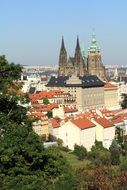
93,47
63,46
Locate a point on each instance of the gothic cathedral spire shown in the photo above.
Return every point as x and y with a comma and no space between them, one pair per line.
77,52
62,45
62,58
63,53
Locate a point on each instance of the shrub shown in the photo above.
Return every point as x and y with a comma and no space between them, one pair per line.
123,165
59,142
80,151
115,153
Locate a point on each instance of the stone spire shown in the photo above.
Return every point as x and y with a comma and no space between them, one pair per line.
62,45
77,52
77,44
62,59
63,53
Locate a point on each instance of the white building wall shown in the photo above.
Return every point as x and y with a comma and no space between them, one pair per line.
58,112
88,137
125,128
70,134
109,134
56,132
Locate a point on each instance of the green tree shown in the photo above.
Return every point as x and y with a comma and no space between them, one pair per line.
119,136
115,153
124,102
24,162
80,151
99,154
45,101
123,165
49,114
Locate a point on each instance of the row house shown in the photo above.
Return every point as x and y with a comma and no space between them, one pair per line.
84,131
54,96
40,124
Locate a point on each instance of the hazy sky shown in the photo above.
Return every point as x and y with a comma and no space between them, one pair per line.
31,30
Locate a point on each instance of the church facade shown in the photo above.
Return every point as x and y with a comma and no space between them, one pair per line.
79,65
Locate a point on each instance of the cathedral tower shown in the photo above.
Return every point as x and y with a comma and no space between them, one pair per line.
62,59
79,63
94,64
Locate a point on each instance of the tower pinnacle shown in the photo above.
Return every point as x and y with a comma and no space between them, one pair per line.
77,44
93,47
62,44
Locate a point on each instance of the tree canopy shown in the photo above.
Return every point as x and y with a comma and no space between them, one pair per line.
124,102
24,162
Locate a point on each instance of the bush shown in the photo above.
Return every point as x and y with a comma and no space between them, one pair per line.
104,157
123,165
59,142
64,148
99,154
115,153
46,101
80,151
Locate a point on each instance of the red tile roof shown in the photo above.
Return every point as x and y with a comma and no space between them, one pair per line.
46,94
70,109
119,118
106,112
55,122
109,85
83,123
104,122
43,108
38,114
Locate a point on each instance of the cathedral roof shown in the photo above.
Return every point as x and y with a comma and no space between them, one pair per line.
93,47
71,60
58,82
85,82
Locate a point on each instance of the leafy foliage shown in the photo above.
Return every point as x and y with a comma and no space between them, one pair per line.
45,101
124,102
24,163
99,154
49,114
80,151
115,153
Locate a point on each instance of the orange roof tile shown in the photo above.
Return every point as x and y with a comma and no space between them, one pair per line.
109,85
44,108
69,109
83,123
104,122
55,122
46,94
38,114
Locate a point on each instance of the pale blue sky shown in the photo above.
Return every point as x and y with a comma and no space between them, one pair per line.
31,30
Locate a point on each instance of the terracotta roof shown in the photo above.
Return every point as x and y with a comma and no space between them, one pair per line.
43,108
69,109
46,94
104,122
106,112
83,123
119,118
37,115
55,122
89,115
109,85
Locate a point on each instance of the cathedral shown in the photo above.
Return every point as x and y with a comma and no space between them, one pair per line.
79,65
